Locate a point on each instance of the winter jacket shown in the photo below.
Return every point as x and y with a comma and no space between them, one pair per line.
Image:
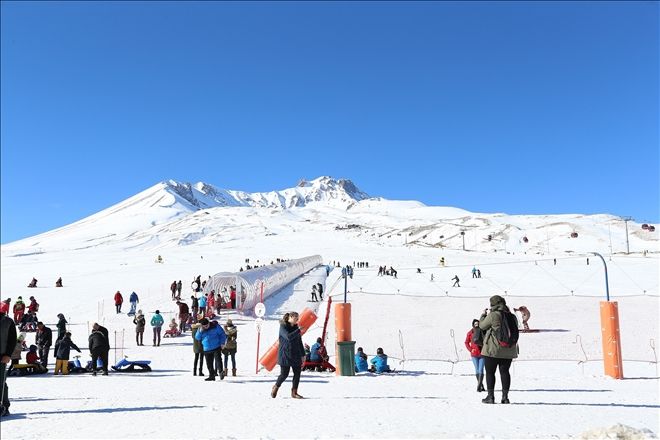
7,336
474,349
61,328
139,322
197,345
34,306
183,309
64,347
44,337
157,320
134,298
19,306
490,324
18,350
314,355
212,338
291,350
202,301
380,362
361,363
195,303
232,335
118,299
98,342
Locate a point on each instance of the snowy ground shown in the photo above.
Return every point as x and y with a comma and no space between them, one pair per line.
558,387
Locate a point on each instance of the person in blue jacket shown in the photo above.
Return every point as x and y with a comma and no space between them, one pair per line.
134,300
202,304
379,362
290,354
314,355
213,338
157,324
361,361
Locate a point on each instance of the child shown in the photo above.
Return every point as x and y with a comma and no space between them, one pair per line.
361,361
32,357
379,362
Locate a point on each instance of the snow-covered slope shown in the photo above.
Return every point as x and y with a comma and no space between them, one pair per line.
558,387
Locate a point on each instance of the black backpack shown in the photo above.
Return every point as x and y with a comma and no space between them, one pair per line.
508,333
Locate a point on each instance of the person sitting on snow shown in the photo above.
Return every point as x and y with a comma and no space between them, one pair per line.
379,362
314,355
361,361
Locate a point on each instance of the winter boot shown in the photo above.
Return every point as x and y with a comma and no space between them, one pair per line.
505,396
294,393
233,371
224,373
201,373
490,398
480,387
210,379
273,392
194,372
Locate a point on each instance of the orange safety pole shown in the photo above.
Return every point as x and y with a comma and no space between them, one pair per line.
342,329
609,322
269,359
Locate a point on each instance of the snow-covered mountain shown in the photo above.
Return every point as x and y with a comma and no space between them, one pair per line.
173,213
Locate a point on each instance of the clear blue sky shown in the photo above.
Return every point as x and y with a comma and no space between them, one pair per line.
539,107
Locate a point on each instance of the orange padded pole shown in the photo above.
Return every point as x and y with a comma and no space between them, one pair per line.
269,359
343,321
609,323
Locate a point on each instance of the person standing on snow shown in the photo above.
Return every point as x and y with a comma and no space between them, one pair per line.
8,342
290,355
43,340
173,289
119,300
524,311
184,313
212,338
474,272
19,310
134,300
229,350
99,347
157,322
140,323
62,352
495,355
456,280
179,285
473,343
198,350
61,326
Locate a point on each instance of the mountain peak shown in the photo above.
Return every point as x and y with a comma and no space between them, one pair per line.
339,193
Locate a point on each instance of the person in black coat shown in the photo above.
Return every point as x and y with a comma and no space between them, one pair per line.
291,353
61,326
62,351
43,340
7,345
99,346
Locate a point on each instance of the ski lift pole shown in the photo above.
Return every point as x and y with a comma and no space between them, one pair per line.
344,273
256,369
607,283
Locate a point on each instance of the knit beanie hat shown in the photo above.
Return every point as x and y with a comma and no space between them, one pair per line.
496,299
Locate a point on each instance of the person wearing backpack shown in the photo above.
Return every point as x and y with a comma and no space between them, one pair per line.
500,345
473,342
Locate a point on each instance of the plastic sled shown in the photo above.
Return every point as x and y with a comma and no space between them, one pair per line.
28,369
318,366
172,334
126,366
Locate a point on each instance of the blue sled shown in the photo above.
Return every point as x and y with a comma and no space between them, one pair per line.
126,366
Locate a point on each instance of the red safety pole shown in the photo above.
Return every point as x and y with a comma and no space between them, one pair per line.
259,332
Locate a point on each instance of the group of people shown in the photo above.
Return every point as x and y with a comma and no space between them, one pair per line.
34,281
25,321
378,362
317,289
210,342
383,270
489,352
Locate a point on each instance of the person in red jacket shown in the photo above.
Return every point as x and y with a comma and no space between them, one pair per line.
19,310
473,342
119,300
34,305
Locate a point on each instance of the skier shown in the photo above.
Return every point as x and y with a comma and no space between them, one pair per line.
456,280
